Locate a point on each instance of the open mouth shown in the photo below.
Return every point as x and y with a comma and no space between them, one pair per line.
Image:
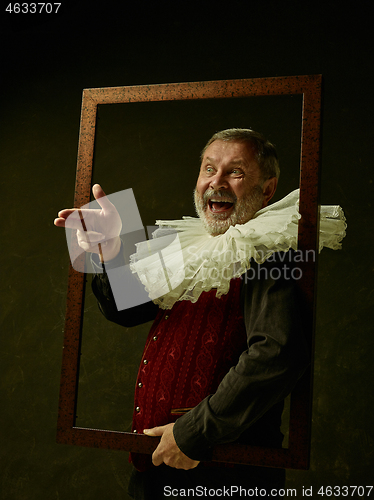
218,207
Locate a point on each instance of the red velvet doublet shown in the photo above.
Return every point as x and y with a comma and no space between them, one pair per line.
188,351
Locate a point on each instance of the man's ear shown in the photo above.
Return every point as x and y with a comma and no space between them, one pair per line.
268,190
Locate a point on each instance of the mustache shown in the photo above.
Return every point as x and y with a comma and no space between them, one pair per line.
218,195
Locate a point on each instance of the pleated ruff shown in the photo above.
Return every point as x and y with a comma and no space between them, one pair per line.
183,260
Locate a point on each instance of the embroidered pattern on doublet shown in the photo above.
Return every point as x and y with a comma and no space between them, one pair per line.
188,351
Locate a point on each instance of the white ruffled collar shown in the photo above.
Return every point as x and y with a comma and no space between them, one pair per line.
183,260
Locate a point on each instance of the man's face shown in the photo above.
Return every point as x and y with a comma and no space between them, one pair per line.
228,190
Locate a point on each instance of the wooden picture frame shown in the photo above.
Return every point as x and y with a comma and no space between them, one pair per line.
297,454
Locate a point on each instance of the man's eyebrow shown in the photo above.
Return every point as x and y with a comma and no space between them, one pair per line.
240,161
237,162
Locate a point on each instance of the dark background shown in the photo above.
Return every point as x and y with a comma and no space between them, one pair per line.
46,61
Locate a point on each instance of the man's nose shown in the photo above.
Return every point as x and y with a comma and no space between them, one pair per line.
219,181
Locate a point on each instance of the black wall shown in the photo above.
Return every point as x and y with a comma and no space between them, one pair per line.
46,61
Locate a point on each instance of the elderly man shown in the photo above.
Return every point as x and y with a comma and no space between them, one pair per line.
217,368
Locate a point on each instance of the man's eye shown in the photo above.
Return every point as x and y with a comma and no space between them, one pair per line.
209,170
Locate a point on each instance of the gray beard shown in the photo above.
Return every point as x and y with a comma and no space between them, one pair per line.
244,209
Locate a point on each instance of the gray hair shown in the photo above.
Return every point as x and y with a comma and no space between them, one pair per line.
265,152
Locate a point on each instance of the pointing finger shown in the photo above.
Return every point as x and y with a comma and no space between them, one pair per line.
66,218
66,212
71,219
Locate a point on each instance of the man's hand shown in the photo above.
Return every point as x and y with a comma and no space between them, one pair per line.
99,230
167,451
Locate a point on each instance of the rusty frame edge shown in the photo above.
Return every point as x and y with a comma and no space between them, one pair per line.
308,238
295,456
202,90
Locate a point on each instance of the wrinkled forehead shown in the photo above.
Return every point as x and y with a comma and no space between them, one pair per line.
234,150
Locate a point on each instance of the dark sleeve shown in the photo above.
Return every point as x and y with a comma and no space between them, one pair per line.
102,290
266,373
